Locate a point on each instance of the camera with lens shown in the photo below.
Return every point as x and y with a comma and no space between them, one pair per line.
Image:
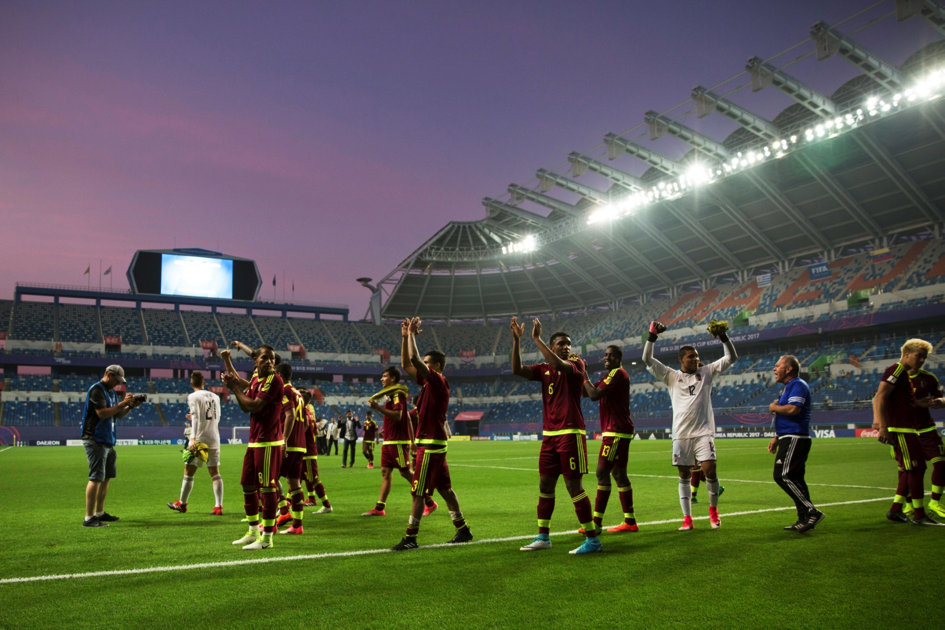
140,398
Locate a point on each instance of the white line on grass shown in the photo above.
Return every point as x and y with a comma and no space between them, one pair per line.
5,449
366,552
725,479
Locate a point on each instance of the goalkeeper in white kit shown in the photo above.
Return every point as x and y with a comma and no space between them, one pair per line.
690,390
204,445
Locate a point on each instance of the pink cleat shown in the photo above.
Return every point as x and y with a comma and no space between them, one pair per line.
293,530
686,525
430,509
714,517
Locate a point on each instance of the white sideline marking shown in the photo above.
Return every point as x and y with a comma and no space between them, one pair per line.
5,449
366,552
725,479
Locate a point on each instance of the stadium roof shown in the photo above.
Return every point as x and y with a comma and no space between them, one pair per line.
830,175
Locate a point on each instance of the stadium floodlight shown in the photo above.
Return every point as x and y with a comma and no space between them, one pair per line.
526,245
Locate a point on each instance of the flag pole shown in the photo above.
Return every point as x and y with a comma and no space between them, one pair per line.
99,274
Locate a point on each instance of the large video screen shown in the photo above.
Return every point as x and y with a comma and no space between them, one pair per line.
196,277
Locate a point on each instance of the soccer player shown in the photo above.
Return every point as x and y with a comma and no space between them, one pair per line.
398,435
313,484
430,467
293,428
928,395
369,439
792,441
894,417
564,442
204,413
263,401
690,391
613,392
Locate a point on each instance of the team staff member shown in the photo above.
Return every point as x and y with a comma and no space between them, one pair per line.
792,441
613,392
349,431
98,438
564,442
263,401
369,439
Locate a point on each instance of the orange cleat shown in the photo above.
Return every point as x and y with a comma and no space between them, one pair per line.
623,527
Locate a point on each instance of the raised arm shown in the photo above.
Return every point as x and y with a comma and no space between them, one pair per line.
553,359
239,345
656,329
247,404
517,368
225,355
412,352
405,349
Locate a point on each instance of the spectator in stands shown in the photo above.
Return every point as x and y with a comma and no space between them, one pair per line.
98,438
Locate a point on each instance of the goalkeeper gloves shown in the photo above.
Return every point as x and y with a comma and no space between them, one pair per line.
655,329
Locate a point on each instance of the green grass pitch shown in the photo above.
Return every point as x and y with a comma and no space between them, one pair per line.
855,570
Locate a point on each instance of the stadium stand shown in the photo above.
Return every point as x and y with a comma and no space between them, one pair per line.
33,321
314,336
346,338
6,314
123,322
164,327
34,413
79,323
276,332
240,328
201,326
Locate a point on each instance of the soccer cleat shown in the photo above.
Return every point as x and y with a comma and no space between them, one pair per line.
108,518
375,513
263,542
94,522
370,465
590,545
282,520
405,544
897,517
310,503
293,530
245,519
694,500
793,528
597,531
262,529
462,536
538,544
935,507
721,489
324,510
714,519
430,509
217,511
813,517
927,520
177,506
250,536
343,466
624,527
908,510
686,524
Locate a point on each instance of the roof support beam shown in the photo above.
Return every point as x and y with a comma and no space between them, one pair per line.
449,308
732,212
617,146
502,271
704,235
669,246
787,207
829,41
708,102
423,291
639,257
549,180
764,74
520,194
661,125
540,293
894,171
840,194
482,301
581,164
494,207
564,261
931,11
611,267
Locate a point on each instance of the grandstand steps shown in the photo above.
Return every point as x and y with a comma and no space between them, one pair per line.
56,309
184,328
331,337
1,413
436,340
295,334
498,340
98,325
160,413
144,328
362,338
57,415
216,321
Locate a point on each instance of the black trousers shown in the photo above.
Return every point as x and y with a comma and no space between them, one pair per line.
789,467
332,442
322,445
352,446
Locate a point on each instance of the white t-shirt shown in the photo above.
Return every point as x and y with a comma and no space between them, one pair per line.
691,395
205,416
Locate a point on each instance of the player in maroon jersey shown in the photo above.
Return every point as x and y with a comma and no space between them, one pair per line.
613,392
398,435
894,417
263,400
293,419
564,442
313,484
430,468
928,395
369,438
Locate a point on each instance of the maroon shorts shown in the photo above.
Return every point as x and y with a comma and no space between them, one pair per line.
292,464
310,468
430,471
614,452
907,448
395,456
932,446
563,455
261,466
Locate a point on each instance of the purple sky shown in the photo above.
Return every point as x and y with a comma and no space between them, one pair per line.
330,139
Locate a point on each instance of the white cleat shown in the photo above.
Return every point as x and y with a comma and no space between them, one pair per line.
248,538
263,542
324,510
537,545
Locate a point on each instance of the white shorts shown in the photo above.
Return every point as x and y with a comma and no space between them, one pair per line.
692,451
213,459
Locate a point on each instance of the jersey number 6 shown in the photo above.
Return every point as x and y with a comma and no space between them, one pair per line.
551,389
